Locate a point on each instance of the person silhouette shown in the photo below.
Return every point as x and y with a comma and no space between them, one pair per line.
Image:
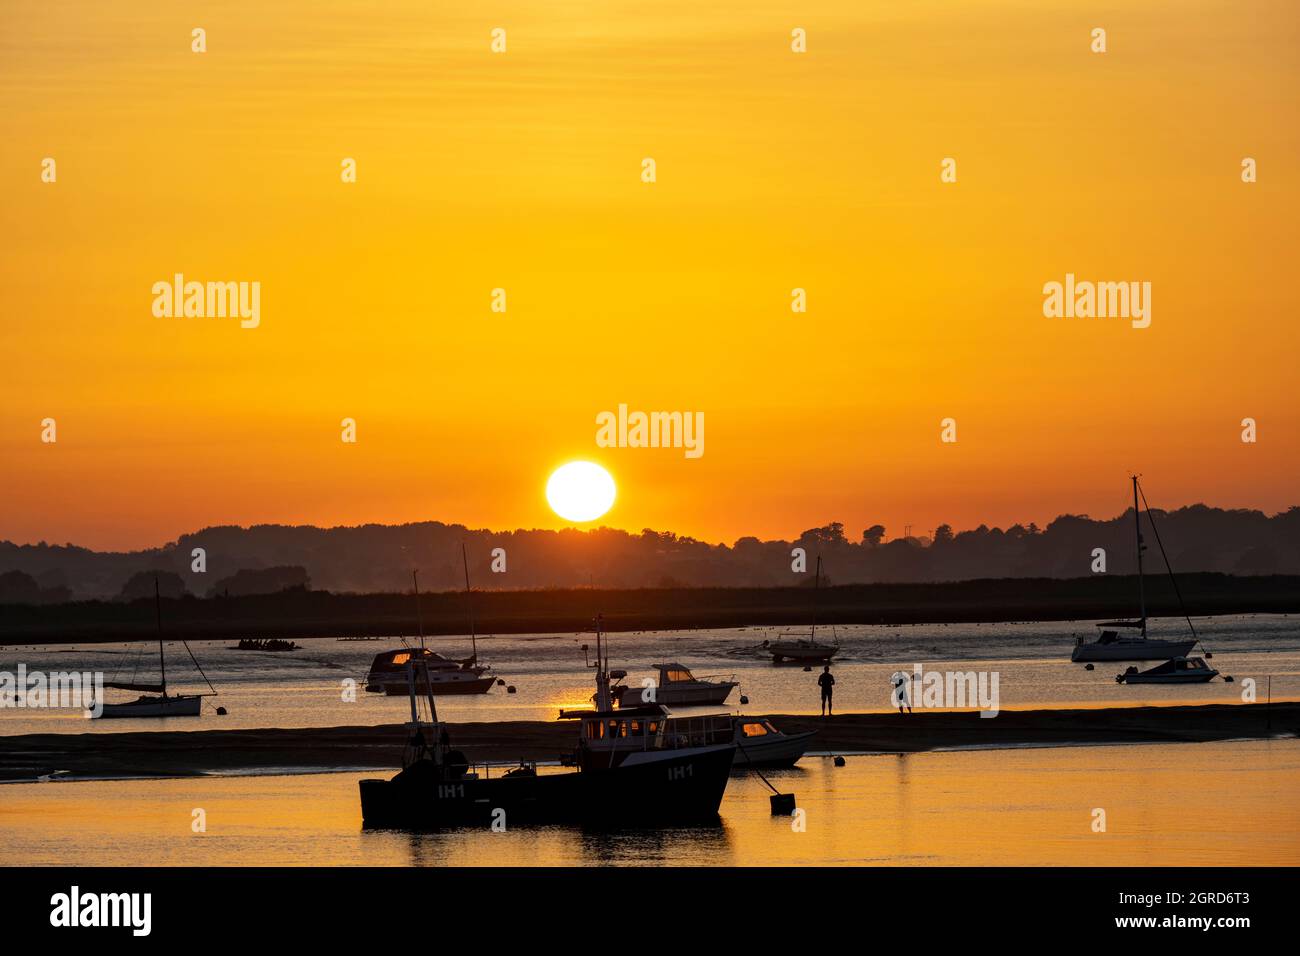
899,683
826,681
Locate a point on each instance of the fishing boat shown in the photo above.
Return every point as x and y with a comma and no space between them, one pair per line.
794,649
154,701
676,686
1114,644
1179,670
759,744
636,767
436,674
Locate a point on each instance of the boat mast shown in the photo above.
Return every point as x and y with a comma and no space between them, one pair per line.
469,599
419,618
157,610
1137,528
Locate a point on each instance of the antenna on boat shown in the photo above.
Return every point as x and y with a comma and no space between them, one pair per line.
469,599
419,618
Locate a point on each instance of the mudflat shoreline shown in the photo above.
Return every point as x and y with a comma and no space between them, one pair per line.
182,753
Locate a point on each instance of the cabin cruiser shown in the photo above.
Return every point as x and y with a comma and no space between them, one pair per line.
676,686
759,744
440,675
1179,670
436,674
633,767
1114,646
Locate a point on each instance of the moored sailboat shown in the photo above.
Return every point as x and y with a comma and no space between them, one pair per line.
154,701
1114,644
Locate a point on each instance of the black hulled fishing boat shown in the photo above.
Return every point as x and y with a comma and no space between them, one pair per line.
636,767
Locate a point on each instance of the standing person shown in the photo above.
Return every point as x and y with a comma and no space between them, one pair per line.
826,681
900,692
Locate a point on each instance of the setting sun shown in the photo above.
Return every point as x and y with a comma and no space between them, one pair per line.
580,491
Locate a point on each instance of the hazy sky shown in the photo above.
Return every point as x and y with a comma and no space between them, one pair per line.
522,170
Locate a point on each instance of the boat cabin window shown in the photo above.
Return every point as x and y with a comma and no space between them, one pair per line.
675,674
595,730
401,658
754,730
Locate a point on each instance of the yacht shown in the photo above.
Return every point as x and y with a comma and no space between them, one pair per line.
1113,644
635,767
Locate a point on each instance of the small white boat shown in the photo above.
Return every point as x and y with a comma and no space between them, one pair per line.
162,705
388,673
676,686
759,744
436,674
1179,670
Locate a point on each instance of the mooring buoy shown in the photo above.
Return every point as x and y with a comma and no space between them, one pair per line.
744,699
510,689
782,804
221,711
839,761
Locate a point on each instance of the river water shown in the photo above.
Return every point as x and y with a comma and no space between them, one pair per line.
1231,803
307,688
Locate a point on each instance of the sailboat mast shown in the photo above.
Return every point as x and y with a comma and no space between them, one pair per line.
419,618
157,610
469,598
1137,528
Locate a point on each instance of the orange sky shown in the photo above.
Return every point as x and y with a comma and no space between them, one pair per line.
522,170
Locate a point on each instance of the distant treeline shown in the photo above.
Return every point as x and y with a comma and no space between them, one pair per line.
303,613
377,558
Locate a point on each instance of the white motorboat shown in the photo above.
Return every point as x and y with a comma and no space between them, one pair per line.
759,744
437,675
1179,670
676,686
1113,645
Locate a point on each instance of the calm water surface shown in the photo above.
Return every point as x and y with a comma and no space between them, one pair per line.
304,688
1218,804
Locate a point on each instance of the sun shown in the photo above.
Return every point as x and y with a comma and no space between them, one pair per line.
580,491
